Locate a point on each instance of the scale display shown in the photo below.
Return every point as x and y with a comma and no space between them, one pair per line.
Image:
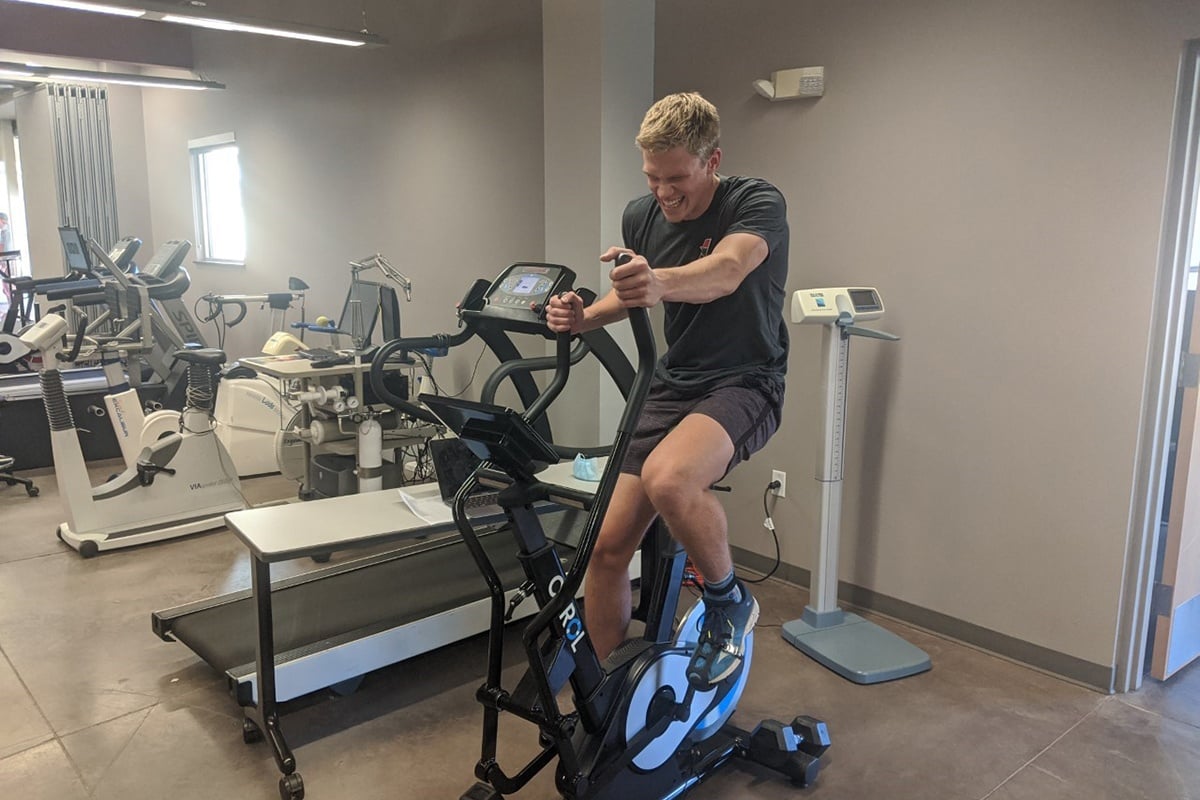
823,306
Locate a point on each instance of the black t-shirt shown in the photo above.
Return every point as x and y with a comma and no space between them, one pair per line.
742,334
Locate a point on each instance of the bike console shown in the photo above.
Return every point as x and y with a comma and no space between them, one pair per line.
517,299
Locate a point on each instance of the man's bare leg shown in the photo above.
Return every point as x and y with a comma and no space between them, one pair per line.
677,476
675,483
608,599
676,479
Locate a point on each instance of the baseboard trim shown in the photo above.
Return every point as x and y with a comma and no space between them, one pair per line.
1068,667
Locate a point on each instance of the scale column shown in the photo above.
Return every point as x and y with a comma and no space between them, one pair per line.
835,355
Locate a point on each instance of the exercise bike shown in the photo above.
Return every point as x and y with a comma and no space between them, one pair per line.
182,483
639,729
127,297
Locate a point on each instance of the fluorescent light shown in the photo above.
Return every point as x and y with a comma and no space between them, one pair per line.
243,27
158,11
99,8
42,74
152,81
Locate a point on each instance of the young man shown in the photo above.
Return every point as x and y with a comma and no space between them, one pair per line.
713,249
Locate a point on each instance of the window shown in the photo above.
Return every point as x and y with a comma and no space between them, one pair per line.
217,200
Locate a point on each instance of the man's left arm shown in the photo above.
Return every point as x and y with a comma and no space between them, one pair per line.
716,275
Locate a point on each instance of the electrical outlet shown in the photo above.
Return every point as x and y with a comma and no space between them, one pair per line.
781,476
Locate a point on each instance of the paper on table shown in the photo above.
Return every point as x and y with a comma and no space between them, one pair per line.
431,510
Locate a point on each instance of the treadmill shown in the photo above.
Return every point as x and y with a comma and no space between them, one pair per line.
25,434
335,624
332,625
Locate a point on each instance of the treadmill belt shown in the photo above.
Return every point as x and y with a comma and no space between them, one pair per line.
348,603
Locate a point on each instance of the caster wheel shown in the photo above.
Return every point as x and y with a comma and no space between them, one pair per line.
33,491
322,558
291,787
88,548
250,732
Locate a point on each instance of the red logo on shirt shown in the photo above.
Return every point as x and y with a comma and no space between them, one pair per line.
705,246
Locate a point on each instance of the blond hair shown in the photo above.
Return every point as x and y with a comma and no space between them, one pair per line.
681,120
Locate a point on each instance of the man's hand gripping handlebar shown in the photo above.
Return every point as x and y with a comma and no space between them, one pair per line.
635,285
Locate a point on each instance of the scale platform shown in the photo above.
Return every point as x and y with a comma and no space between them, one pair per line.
855,648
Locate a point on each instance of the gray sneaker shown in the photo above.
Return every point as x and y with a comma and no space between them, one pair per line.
723,630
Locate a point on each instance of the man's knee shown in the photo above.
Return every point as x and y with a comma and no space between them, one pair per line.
671,486
614,550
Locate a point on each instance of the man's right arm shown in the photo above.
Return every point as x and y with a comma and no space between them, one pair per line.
567,314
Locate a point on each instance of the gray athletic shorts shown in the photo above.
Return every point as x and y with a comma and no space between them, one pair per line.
747,415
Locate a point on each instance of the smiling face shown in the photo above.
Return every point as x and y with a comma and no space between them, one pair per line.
682,183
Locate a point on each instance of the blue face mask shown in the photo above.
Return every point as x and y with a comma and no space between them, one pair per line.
585,468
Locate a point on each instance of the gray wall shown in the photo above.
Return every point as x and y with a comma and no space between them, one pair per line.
129,156
428,151
598,77
38,183
997,171
42,30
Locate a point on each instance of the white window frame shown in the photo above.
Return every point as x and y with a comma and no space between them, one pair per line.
197,150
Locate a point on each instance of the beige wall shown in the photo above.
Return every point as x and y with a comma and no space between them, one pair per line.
428,151
997,171
598,76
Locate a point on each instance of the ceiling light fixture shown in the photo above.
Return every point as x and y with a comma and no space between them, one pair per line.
347,39
196,15
42,74
99,8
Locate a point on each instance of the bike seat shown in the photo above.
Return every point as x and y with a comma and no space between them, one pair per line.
202,355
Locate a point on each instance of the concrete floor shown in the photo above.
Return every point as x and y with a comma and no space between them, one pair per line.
95,706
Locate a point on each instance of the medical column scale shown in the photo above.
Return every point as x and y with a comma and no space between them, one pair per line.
856,649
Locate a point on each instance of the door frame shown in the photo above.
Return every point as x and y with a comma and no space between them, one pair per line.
1162,369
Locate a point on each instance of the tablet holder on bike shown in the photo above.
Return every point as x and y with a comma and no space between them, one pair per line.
495,434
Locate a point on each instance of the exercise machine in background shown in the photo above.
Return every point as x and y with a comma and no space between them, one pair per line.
279,303
851,646
183,483
251,410
25,435
127,299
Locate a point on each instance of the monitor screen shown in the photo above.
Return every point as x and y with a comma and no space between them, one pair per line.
75,248
377,303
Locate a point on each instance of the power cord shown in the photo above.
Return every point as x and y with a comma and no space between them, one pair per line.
427,363
769,524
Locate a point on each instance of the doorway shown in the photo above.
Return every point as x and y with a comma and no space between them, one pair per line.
1166,609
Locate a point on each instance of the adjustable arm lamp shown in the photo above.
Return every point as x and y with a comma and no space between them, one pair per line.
380,263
